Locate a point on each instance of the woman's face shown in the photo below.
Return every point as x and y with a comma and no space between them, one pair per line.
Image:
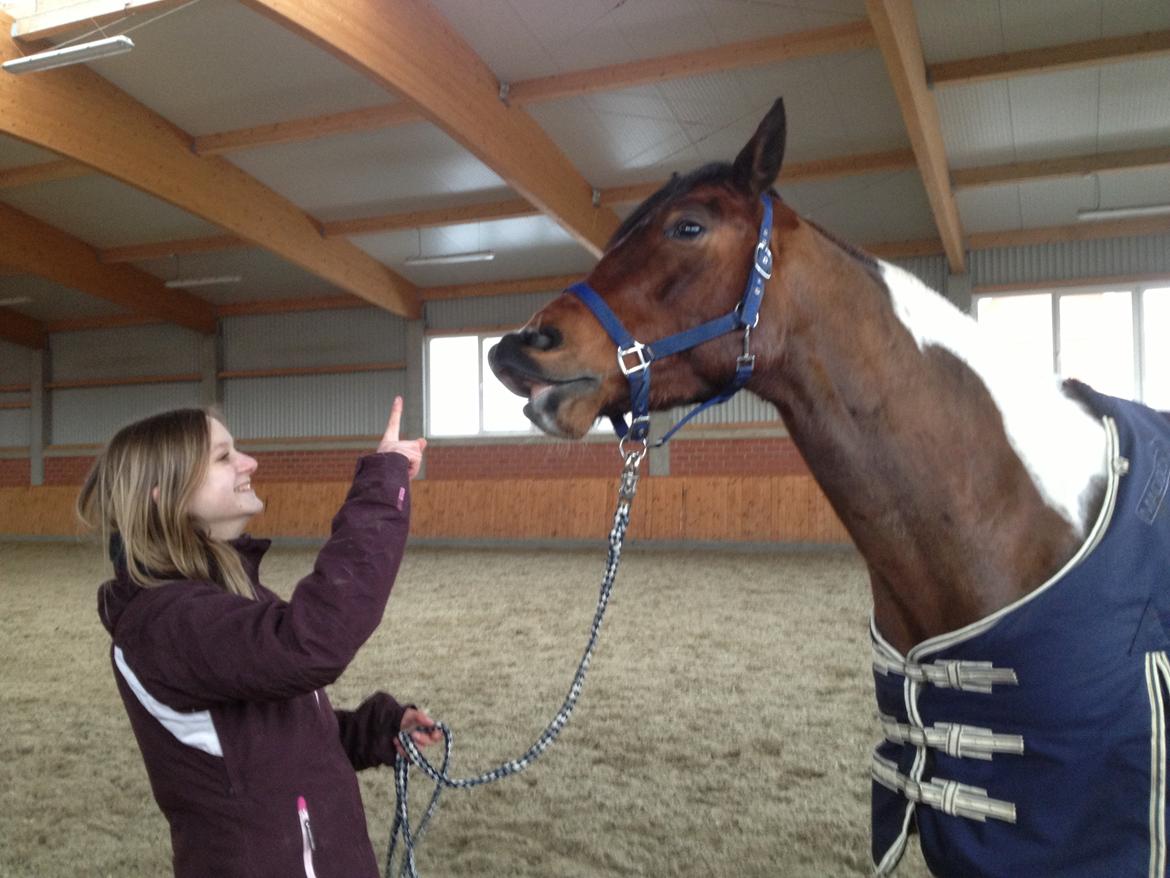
224,500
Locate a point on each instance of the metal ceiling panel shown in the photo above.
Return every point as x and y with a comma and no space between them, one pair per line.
51,301
358,174
1135,103
16,153
218,66
476,313
980,33
1055,114
105,213
311,405
866,209
91,415
124,352
1031,25
263,275
976,122
524,247
990,208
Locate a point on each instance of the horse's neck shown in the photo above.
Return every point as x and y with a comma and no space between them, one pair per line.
964,485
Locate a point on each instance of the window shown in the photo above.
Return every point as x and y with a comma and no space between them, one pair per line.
1090,334
464,398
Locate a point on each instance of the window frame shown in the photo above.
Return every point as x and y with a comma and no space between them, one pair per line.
479,335
1137,291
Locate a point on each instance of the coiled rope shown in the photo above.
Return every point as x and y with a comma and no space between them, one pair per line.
411,839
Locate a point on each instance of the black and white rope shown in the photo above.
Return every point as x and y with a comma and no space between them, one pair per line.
621,521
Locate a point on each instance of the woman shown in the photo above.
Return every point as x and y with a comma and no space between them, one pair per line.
222,680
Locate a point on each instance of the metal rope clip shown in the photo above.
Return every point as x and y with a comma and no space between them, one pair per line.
629,478
747,358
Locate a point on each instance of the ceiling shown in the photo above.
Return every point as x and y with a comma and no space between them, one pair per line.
310,149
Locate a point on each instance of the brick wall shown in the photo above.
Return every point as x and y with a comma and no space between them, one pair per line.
15,473
543,461
690,457
717,457
67,470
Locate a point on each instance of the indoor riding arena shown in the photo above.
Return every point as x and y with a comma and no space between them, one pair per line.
292,213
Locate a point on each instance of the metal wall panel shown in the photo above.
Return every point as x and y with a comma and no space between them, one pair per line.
931,270
123,352
353,404
1070,260
313,338
503,311
15,363
744,407
14,428
93,414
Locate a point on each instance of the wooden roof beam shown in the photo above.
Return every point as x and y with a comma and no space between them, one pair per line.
1072,166
43,172
35,247
77,16
1069,56
21,330
896,27
79,115
407,47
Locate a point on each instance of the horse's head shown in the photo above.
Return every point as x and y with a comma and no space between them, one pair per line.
681,258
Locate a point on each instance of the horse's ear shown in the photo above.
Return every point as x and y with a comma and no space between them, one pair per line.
758,163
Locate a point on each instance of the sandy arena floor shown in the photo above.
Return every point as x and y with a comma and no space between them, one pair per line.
724,729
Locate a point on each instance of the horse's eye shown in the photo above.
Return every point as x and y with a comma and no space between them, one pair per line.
686,230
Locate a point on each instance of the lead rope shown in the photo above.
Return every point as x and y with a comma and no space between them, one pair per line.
621,521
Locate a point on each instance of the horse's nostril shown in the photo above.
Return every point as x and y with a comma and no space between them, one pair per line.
543,339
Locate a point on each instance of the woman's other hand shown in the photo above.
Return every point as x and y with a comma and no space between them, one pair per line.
421,727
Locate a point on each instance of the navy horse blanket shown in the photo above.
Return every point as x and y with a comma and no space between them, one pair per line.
1034,741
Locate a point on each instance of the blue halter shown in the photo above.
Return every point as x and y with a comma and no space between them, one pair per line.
634,357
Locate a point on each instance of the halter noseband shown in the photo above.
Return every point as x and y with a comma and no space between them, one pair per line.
634,357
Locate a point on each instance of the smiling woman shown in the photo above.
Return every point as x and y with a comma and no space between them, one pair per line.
222,680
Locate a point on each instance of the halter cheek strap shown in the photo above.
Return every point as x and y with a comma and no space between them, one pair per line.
634,357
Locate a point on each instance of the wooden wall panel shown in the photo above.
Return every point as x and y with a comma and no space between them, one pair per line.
786,509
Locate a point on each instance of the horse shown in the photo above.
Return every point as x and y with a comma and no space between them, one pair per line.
1013,526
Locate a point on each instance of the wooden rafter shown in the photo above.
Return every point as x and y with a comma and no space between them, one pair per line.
35,247
309,128
162,249
79,16
1072,166
43,172
1049,59
847,37
21,330
406,46
1138,226
79,115
897,34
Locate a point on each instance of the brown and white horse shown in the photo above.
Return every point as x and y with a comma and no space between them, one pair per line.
966,487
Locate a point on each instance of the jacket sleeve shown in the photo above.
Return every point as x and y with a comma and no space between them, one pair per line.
194,645
368,733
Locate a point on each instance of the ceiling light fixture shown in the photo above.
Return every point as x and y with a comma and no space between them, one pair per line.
62,57
14,300
453,258
184,283
1105,213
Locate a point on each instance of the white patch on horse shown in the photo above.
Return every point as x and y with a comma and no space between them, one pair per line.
1060,444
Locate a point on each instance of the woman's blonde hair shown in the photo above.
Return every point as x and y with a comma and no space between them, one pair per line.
160,537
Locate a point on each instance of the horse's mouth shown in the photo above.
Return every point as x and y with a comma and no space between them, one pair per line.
548,396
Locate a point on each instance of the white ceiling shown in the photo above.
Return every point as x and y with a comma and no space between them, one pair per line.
216,66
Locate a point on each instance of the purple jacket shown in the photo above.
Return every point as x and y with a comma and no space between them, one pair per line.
225,696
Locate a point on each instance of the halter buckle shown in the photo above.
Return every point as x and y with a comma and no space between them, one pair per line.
639,350
764,260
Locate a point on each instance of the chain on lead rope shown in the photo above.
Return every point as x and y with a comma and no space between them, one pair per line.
410,839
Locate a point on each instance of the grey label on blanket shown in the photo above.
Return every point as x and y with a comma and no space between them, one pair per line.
1151,503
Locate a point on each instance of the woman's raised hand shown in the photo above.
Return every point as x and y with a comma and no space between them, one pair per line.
411,449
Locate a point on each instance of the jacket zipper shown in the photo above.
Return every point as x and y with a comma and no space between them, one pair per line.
308,843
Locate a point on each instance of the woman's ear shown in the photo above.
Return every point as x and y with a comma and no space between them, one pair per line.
154,493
